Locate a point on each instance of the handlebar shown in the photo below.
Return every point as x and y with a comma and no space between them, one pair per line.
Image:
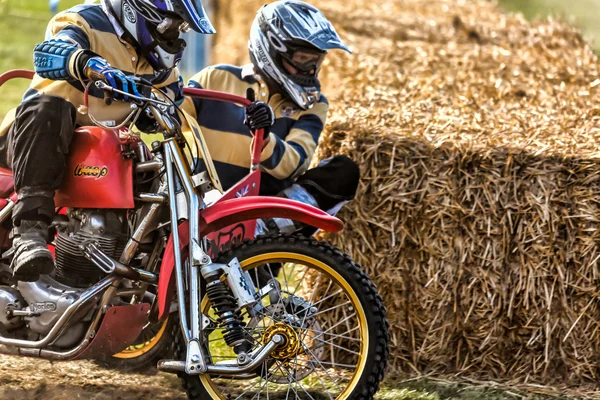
17,73
214,95
187,91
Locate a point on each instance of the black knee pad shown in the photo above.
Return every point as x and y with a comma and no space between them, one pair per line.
333,181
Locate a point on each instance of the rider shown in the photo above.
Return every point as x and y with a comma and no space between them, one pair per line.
117,42
288,43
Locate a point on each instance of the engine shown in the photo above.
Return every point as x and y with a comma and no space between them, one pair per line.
106,227
31,309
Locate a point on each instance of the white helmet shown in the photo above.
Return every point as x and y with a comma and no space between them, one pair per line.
288,42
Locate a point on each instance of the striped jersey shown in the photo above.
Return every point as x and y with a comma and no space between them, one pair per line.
293,137
91,28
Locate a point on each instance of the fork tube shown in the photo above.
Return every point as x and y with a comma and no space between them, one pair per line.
195,259
176,249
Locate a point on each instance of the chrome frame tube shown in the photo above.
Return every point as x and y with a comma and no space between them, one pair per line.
227,369
147,166
193,207
6,212
168,161
64,319
142,229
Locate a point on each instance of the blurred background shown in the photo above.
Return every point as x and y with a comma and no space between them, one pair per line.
23,23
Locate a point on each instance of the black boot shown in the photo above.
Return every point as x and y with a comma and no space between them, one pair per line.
31,256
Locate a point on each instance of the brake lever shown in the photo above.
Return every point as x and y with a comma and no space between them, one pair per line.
106,88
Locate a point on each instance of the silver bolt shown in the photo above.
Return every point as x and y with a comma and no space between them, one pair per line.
277,339
195,358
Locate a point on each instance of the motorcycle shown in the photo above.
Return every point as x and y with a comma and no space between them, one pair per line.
136,244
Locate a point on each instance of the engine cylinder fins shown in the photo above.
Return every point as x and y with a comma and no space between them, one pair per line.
229,317
72,267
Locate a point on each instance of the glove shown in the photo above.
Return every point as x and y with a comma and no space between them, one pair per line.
259,115
98,69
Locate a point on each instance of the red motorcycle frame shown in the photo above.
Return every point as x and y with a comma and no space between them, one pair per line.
96,165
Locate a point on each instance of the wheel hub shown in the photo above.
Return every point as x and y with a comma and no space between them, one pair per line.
291,344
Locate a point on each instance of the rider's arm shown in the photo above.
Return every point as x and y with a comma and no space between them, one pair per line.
66,50
68,53
291,157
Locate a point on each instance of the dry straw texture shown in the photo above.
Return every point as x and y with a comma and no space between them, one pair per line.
479,206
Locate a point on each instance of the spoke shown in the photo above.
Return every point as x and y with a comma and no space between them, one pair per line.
260,386
331,308
297,383
246,391
287,375
324,369
301,280
340,322
339,347
338,364
280,301
328,297
314,365
341,336
285,278
312,297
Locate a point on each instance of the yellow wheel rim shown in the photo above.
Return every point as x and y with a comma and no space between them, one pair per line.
286,257
137,350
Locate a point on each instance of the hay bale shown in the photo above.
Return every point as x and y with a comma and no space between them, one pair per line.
477,215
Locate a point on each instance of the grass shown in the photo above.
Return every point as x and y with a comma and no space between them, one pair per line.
424,389
585,13
22,25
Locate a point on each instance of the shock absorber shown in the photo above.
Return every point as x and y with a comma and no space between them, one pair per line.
229,317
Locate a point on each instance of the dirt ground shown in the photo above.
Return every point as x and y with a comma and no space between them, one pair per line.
31,379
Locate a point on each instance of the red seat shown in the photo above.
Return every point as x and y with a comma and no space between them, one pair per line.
7,184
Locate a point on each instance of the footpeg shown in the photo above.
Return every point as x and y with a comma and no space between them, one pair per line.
97,256
101,260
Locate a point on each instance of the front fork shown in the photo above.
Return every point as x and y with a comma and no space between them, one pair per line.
196,259
199,263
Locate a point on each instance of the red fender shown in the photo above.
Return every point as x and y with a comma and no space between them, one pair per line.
229,212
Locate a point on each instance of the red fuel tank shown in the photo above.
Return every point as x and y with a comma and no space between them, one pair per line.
97,175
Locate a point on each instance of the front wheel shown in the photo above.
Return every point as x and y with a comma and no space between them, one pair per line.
326,308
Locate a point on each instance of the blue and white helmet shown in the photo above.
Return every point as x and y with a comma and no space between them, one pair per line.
288,42
156,26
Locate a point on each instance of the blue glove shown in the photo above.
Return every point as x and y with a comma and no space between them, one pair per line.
98,69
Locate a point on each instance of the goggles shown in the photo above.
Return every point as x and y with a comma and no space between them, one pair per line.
170,28
305,61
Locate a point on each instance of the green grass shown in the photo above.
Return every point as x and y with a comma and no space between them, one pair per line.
585,13
22,25
424,389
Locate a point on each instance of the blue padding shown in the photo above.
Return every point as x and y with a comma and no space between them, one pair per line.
51,59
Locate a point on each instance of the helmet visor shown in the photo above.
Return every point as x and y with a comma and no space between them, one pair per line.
304,62
196,17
